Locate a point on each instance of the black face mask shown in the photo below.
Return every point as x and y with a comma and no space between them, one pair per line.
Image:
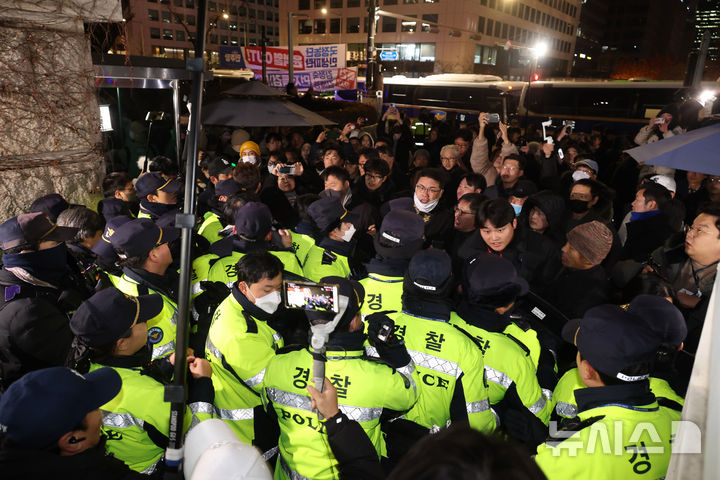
578,206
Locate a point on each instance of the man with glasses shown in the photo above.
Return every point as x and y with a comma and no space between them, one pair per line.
375,187
463,143
438,218
690,266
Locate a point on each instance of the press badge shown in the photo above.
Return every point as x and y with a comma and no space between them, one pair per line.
697,294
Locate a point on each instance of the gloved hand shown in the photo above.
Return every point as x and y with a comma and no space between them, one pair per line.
381,334
381,328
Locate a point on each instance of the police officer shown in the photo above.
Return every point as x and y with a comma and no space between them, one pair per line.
449,364
212,221
366,390
399,237
111,331
241,341
145,256
335,243
157,194
59,438
661,316
36,298
105,256
489,287
252,233
615,352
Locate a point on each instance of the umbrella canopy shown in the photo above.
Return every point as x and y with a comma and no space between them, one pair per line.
695,151
248,112
253,88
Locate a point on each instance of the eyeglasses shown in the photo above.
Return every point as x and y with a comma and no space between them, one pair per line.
447,158
422,189
509,168
376,178
462,145
713,179
462,212
697,230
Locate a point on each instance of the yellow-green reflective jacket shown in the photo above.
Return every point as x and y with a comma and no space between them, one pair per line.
162,328
365,388
382,293
507,364
444,358
210,227
321,262
239,348
613,441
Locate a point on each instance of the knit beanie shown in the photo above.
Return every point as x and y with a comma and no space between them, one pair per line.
592,240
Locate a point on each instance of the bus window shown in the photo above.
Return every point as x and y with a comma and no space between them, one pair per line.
399,94
549,100
467,98
605,102
651,99
426,96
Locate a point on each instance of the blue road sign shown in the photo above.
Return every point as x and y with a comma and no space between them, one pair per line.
389,55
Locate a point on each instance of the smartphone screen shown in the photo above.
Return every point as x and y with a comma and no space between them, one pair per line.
316,297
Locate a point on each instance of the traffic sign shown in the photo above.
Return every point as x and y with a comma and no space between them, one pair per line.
389,55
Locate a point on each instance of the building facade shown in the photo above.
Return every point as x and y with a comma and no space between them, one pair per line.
443,36
707,17
167,28
653,36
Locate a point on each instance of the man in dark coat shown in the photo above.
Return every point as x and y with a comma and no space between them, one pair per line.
583,282
649,224
535,257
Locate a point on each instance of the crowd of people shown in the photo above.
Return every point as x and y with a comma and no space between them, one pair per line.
501,301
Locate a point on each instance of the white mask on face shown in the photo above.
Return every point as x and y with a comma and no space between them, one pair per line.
249,159
348,234
579,175
270,169
268,303
425,207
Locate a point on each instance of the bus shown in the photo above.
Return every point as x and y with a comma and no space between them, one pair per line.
458,98
453,98
625,106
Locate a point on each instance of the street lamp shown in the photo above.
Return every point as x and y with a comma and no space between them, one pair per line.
291,52
325,11
539,50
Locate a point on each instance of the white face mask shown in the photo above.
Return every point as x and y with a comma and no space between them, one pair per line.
270,169
249,159
425,207
268,303
348,234
579,175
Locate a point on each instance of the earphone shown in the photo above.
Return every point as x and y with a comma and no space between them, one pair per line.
73,440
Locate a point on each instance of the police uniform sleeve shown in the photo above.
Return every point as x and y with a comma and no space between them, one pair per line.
248,357
472,386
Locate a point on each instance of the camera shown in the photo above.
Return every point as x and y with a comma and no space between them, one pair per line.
286,170
659,121
493,117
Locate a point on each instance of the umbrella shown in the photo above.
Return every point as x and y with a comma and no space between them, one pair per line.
249,112
696,151
253,88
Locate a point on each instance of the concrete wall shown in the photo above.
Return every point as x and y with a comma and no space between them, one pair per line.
49,126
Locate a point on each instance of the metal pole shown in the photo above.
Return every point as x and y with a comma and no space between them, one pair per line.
176,118
263,42
370,69
176,393
702,55
291,52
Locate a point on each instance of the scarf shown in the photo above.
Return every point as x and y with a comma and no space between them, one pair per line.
50,266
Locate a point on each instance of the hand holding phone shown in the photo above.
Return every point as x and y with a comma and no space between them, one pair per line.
316,297
493,118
